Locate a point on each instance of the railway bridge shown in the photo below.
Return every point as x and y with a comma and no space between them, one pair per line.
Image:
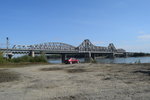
86,47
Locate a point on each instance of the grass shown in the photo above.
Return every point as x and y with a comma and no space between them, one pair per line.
29,59
2,59
21,61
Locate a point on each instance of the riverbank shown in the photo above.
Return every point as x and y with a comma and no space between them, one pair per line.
77,82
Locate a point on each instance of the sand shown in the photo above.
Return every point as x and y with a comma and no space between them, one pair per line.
78,82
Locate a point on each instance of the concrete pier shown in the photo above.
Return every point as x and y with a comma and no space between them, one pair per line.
111,55
32,54
63,58
93,56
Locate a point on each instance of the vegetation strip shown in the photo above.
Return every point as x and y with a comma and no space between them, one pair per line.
21,61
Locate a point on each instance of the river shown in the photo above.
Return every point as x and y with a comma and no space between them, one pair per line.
112,60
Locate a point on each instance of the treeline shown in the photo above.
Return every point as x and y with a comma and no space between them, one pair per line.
139,54
26,58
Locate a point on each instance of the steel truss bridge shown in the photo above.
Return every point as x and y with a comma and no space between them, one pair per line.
62,48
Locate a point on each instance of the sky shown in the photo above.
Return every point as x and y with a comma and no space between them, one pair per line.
126,23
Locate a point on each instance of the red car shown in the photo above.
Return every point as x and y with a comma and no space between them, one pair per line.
71,61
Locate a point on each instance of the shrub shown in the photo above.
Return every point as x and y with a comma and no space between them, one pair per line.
27,58
40,58
2,59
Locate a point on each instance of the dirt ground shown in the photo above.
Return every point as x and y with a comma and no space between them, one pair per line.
76,82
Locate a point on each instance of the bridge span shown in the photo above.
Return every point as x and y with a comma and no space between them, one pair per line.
86,47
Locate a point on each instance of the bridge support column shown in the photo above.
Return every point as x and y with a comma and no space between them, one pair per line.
32,54
125,54
112,55
63,58
93,56
90,57
10,56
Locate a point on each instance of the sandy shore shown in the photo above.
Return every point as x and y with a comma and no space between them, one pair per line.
78,82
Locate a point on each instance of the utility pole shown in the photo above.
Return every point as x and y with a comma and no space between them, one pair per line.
7,46
7,42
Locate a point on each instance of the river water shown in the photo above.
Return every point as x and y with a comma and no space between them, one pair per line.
112,60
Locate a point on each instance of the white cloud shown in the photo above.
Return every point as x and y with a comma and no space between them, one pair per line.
144,37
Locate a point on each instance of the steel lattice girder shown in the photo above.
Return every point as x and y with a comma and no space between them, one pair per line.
86,45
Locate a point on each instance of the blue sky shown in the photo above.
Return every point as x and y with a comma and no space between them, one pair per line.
126,23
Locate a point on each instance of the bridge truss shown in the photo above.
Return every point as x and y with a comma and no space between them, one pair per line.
86,45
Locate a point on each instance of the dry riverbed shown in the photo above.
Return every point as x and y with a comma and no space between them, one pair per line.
76,82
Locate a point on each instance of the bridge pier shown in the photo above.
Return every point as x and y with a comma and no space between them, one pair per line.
93,56
32,54
89,57
112,55
9,55
126,54
63,58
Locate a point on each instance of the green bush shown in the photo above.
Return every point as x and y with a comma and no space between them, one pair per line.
21,59
41,58
2,59
29,59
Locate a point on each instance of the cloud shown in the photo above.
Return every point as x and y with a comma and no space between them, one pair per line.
144,37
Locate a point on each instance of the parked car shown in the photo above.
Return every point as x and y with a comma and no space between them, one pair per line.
71,61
